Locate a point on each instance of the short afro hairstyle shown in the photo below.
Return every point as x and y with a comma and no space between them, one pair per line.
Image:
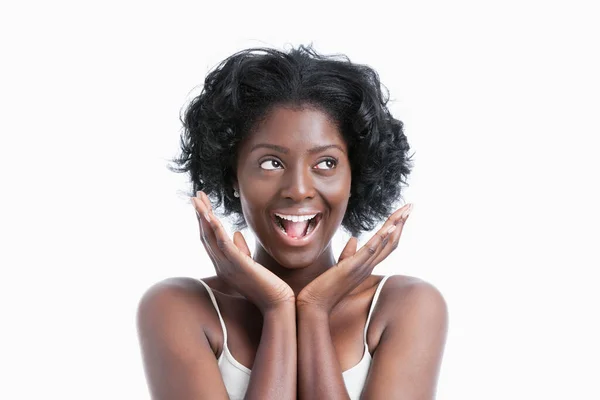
244,87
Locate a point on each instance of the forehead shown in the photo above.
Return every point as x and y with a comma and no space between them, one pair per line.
297,129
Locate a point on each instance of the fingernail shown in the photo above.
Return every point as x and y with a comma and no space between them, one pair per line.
198,193
404,214
194,205
408,211
392,229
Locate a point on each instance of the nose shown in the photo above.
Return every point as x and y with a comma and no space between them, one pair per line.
298,184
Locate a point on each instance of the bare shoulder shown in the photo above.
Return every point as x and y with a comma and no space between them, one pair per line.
407,298
172,293
408,356
174,306
173,319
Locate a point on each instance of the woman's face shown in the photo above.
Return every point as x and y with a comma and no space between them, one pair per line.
294,166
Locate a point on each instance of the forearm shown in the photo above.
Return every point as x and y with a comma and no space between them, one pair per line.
319,372
274,372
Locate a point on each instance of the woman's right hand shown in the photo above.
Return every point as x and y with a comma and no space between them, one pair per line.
234,264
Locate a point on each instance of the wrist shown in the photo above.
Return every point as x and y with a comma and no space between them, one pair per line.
313,311
280,310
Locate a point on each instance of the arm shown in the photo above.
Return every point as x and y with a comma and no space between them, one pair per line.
320,375
319,372
274,369
179,361
407,360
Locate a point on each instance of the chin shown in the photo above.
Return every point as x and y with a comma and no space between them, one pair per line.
295,259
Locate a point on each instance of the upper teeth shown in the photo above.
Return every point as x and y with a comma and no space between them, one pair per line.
296,218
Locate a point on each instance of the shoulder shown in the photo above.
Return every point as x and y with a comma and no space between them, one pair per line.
172,307
409,299
408,356
172,292
174,321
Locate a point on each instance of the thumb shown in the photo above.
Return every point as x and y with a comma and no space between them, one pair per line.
349,249
240,243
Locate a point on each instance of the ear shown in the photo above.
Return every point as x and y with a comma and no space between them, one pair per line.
234,184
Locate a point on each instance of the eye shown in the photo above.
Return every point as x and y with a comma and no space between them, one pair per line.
270,164
330,163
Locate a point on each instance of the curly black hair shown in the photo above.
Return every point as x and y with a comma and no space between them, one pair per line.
241,91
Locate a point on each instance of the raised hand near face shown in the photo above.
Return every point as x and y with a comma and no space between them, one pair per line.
233,262
353,267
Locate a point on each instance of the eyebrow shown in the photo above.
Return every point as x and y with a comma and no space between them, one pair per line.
285,150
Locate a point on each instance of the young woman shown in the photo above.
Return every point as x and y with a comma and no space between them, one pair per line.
294,144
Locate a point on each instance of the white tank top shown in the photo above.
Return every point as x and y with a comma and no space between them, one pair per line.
236,376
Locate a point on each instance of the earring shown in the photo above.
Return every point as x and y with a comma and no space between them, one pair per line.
235,193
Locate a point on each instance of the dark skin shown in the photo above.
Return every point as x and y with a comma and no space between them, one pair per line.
294,314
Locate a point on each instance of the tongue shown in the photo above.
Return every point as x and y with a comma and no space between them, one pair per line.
294,229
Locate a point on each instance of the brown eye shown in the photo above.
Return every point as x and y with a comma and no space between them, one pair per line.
330,163
270,164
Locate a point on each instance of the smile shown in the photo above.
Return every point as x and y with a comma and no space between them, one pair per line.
297,229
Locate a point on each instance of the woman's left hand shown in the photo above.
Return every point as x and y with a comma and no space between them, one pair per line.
353,267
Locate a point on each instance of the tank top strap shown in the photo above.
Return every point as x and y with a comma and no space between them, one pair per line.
373,303
214,301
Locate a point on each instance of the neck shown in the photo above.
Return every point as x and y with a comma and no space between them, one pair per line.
297,276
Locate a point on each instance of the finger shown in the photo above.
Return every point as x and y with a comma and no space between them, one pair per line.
206,233
401,214
389,230
240,243
223,242
368,256
204,198
393,240
219,238
349,249
399,219
200,207
382,238
236,251
360,259
217,229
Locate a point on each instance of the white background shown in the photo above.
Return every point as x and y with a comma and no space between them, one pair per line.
500,102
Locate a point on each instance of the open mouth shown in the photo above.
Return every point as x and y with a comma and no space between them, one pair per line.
297,227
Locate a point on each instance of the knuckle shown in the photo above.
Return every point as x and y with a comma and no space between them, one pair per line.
225,274
359,273
221,244
372,249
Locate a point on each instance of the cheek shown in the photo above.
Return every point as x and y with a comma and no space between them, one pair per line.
250,208
337,190
255,202
336,193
